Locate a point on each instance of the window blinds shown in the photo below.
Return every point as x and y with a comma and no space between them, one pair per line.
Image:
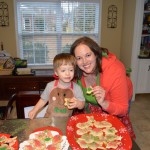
45,28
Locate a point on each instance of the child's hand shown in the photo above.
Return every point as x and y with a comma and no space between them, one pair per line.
31,114
74,103
71,103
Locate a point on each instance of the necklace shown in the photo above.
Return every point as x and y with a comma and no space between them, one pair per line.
91,80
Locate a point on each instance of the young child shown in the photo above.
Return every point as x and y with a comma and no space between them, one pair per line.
62,95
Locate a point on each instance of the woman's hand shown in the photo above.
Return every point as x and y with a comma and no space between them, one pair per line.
99,94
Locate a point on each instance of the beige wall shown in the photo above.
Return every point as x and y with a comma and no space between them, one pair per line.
110,37
7,34
127,31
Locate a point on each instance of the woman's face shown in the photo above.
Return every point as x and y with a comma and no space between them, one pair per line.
86,59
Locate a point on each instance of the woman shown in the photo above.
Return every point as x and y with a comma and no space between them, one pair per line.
106,75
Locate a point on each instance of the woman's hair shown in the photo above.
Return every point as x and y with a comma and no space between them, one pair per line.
95,48
64,58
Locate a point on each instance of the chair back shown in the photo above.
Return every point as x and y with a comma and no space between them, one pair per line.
22,99
9,106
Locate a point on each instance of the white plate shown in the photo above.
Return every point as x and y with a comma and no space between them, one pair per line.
64,143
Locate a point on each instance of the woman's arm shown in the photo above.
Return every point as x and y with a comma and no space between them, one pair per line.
117,96
115,88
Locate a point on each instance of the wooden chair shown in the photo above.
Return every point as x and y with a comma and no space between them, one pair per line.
2,111
22,99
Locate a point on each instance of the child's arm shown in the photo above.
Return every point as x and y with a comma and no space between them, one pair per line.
36,108
80,104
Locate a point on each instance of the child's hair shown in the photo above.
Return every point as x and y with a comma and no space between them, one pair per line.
64,58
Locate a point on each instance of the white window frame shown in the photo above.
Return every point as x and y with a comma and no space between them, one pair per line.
19,53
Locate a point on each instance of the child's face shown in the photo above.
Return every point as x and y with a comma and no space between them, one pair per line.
65,72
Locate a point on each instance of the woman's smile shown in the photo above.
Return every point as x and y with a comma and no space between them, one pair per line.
87,66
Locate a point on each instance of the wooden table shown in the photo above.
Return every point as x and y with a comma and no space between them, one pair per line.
23,127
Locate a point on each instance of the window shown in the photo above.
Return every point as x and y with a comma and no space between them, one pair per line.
48,27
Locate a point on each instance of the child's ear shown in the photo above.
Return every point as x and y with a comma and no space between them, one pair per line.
55,72
55,75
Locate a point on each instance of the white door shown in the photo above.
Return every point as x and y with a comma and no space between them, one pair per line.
143,81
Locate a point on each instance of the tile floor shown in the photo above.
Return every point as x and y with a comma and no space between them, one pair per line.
140,118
